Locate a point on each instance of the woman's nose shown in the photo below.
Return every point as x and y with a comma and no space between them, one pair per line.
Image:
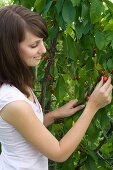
42,48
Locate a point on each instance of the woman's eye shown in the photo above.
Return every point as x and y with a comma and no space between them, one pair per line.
34,46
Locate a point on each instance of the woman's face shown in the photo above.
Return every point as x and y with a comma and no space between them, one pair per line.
32,49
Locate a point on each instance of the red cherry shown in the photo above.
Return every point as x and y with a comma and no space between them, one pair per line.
52,91
98,78
46,58
81,149
49,77
50,86
87,98
103,72
74,78
85,84
52,23
105,78
111,72
94,51
78,78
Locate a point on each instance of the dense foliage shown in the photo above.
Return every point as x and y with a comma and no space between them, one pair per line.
79,52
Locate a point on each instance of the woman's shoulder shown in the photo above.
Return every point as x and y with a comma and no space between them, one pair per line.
10,92
6,86
8,89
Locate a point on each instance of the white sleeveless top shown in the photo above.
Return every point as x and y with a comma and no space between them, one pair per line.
17,153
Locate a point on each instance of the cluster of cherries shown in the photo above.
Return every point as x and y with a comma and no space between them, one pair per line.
76,78
49,78
105,78
50,85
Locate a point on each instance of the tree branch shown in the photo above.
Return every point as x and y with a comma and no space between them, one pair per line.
104,159
104,140
96,150
52,51
79,165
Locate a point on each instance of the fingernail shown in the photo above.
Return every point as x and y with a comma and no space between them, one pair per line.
83,106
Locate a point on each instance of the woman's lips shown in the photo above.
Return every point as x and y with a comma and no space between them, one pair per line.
37,58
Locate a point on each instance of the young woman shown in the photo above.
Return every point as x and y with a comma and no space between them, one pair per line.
26,142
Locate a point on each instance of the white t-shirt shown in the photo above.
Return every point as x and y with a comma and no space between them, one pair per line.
17,153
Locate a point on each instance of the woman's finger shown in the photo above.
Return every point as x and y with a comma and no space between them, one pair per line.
76,109
107,84
73,102
109,98
100,84
109,90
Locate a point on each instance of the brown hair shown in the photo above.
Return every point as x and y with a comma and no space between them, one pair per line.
14,21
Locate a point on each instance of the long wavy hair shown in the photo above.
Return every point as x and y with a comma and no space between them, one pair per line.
14,21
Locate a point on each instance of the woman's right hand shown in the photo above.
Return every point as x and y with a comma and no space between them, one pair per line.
102,95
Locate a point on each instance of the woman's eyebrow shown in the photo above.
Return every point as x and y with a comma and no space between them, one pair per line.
35,41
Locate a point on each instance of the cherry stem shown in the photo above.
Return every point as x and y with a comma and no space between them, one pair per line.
81,101
99,78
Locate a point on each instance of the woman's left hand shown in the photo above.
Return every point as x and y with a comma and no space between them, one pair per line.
68,109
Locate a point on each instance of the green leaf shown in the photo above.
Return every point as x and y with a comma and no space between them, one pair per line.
109,26
112,44
72,51
85,13
107,148
75,2
68,12
87,41
47,7
92,132
110,64
60,90
99,40
89,64
79,29
92,154
109,4
60,21
39,6
109,36
53,32
31,3
53,70
36,3
90,164
86,29
47,95
59,6
103,118
77,115
68,123
65,47
68,164
95,11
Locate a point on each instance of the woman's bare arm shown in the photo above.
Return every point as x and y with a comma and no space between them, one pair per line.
64,111
22,117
